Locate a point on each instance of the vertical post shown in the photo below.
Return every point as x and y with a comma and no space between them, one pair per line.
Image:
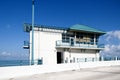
32,56
75,38
116,58
102,59
94,39
69,55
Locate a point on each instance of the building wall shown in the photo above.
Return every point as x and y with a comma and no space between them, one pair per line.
44,46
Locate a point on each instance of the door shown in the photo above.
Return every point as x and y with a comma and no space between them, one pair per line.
59,57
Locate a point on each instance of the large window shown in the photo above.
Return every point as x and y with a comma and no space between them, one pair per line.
87,38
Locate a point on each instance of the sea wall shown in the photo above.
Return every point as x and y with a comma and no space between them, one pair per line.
18,71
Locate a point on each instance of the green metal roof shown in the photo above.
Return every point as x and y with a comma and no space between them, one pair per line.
79,27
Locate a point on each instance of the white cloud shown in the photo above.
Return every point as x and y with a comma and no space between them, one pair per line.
112,44
113,34
112,49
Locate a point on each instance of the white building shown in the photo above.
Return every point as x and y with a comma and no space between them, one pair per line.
55,45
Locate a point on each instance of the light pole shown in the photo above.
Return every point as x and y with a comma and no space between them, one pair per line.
32,54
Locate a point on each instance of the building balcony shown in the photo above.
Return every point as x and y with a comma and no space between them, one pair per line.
26,45
78,45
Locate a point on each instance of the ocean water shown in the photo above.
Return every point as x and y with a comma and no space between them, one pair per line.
13,63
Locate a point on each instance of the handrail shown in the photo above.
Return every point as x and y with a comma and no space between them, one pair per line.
78,44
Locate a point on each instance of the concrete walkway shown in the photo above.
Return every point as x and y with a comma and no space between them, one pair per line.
101,73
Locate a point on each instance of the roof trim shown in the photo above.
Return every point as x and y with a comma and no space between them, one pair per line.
28,27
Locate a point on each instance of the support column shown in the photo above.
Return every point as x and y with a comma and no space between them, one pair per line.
102,59
66,57
116,58
75,38
97,55
94,39
70,55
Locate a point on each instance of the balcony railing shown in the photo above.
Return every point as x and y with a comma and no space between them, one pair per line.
91,45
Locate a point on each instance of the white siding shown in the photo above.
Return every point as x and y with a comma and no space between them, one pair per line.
83,53
44,46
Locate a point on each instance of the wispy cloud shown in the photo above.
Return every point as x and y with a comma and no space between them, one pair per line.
112,43
4,53
12,56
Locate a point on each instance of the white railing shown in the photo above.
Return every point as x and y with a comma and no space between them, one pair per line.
61,43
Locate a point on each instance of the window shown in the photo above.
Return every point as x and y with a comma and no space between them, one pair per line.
66,37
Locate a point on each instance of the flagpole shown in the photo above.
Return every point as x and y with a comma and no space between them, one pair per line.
32,55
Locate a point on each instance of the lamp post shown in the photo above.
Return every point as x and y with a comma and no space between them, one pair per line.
32,54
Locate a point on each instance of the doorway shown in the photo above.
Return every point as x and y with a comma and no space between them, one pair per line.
59,57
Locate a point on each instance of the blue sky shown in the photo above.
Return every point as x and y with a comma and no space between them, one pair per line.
100,14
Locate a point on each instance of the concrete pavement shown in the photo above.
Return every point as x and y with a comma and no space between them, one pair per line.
101,73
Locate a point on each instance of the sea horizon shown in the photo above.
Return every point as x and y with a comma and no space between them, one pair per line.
4,63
